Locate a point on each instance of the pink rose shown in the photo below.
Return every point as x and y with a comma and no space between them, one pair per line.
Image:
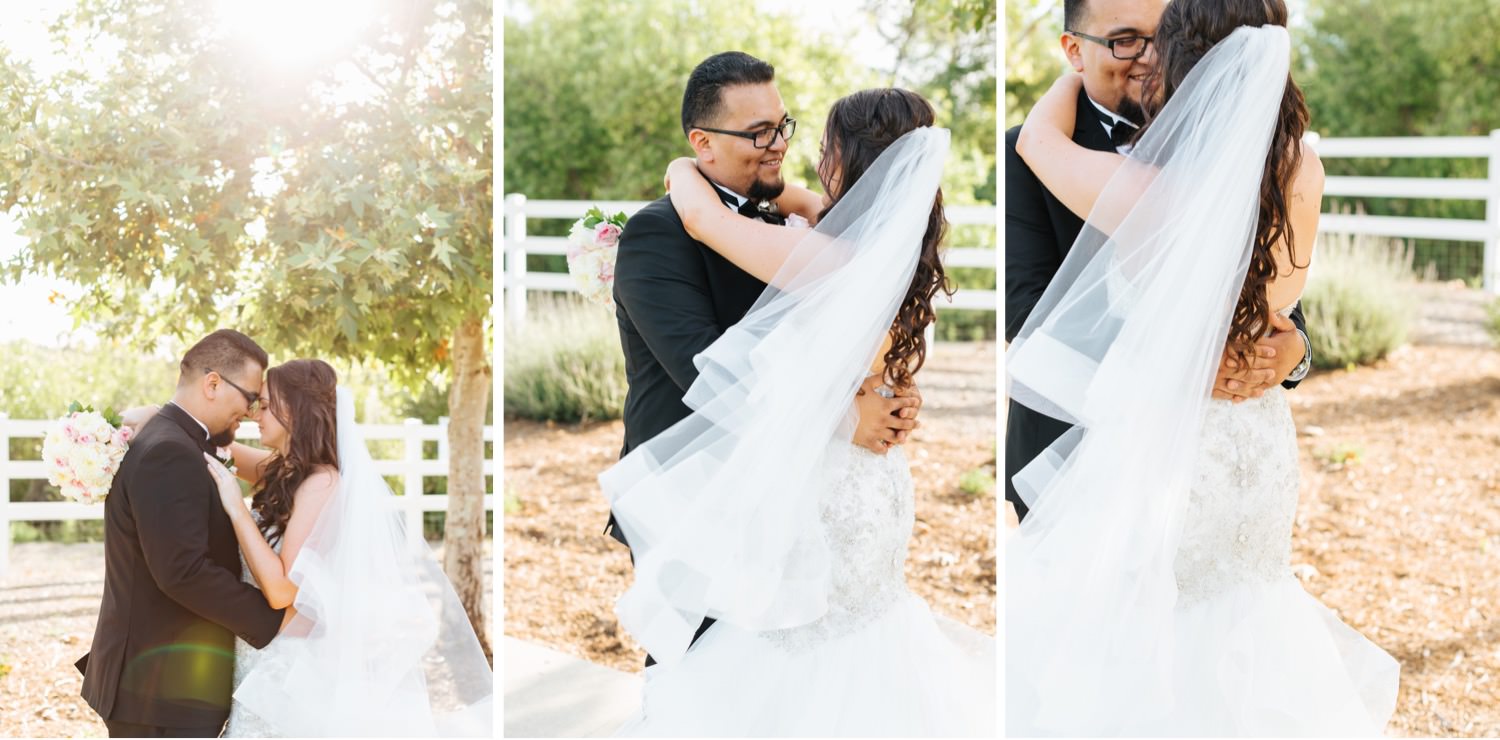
606,234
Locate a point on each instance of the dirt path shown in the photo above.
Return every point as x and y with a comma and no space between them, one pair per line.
49,603
562,575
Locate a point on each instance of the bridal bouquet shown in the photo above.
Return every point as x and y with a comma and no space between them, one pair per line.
83,451
592,244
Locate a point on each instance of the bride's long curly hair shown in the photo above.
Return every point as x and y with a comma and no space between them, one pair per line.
859,128
304,399
1188,29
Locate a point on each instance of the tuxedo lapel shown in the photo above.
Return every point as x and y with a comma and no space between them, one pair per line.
188,425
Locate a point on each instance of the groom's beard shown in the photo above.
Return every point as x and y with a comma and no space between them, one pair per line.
762,190
1130,110
224,438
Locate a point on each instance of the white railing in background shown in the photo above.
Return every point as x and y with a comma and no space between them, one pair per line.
518,244
1487,190
411,467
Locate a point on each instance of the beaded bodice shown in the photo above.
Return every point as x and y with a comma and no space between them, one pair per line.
867,514
1238,527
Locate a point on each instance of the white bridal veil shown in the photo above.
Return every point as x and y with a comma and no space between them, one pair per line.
380,645
721,510
1124,344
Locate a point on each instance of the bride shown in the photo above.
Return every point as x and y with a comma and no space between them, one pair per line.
376,642
759,512
1149,591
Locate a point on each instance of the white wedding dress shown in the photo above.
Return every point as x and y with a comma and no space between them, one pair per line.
1256,655
242,721
1149,591
878,663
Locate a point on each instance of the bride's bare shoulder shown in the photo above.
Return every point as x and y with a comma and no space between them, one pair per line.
1309,178
323,481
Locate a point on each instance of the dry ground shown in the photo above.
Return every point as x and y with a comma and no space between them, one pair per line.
562,574
49,602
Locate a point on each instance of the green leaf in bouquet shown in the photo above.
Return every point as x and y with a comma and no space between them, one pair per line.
112,417
75,407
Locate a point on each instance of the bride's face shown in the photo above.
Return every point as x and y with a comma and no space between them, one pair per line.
273,433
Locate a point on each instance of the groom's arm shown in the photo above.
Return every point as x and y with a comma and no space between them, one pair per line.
171,496
661,283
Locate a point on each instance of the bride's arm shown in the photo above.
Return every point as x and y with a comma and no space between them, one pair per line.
270,570
754,246
1075,175
801,201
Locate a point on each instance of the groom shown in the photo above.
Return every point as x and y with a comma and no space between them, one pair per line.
1108,42
162,659
674,296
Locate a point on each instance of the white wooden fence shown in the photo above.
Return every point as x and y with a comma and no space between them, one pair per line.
411,467
1487,190
518,244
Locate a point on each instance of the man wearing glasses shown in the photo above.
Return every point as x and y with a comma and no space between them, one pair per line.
1109,43
161,663
674,296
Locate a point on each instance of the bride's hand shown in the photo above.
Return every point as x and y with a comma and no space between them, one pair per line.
136,417
679,165
230,496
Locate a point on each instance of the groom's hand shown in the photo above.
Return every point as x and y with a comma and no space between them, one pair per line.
884,422
1274,358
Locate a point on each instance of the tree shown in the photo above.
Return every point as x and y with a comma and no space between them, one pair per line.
340,207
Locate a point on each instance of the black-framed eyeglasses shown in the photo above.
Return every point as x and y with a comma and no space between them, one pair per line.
1124,48
762,138
251,398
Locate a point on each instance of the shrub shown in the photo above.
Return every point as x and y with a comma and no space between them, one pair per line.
565,363
1358,301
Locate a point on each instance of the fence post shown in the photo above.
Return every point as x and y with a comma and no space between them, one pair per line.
515,258
4,494
1492,218
411,495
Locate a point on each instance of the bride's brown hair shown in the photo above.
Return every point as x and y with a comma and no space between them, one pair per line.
304,399
1188,29
859,129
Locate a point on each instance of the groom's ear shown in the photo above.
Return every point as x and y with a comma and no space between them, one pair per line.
698,139
1070,48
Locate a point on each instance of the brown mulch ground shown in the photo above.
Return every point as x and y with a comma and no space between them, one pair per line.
562,575
49,602
1398,527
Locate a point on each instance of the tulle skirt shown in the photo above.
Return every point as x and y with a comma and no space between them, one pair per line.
903,673
1260,659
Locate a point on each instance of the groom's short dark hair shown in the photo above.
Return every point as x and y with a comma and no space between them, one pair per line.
223,351
1073,13
703,99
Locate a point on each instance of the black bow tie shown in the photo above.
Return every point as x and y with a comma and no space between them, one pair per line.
1120,134
751,208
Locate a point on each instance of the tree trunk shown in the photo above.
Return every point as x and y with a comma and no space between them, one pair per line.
463,536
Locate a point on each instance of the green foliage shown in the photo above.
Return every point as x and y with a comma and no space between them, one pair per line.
512,501
39,382
1032,56
564,364
1439,75
593,88
1358,301
69,532
342,209
978,482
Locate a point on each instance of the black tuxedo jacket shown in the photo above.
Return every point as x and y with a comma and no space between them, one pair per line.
163,649
1039,231
673,297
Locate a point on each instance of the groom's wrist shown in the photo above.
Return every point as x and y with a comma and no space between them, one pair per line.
1305,366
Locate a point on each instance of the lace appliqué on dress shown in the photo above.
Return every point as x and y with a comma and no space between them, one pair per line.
867,513
1243,503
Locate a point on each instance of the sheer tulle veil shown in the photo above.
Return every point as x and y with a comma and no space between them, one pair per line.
721,509
380,645
1124,344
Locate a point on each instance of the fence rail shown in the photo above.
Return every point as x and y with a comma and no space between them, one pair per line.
518,280
1486,231
411,467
